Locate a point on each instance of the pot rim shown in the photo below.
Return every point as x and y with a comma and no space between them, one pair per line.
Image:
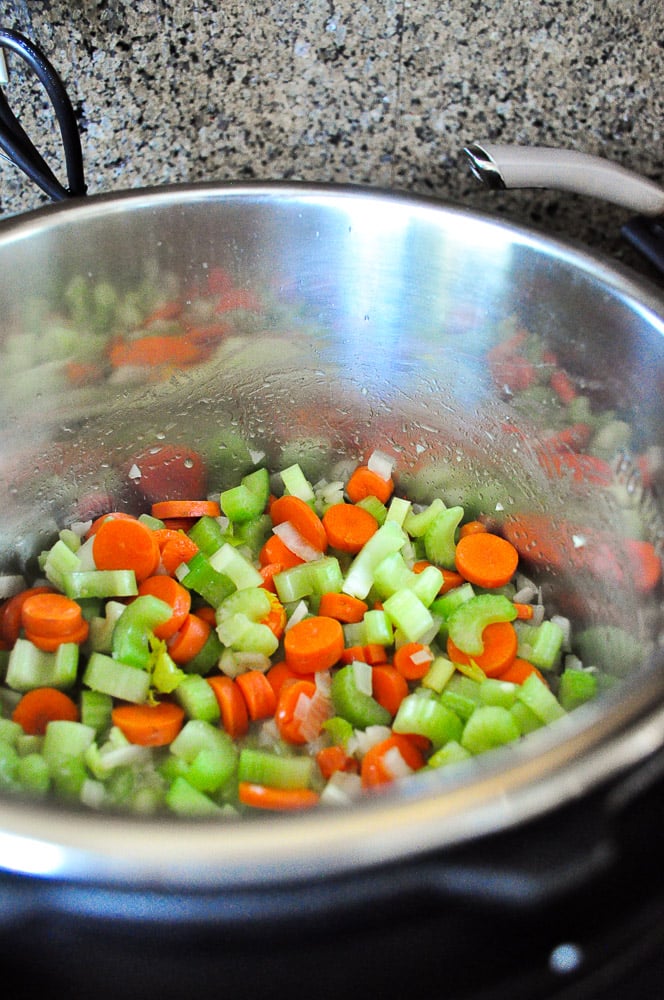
577,755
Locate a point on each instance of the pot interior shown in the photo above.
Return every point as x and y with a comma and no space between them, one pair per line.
365,322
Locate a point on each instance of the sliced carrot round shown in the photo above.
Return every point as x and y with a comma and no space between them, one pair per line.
258,693
149,725
500,648
189,639
348,527
288,724
374,770
364,482
126,544
167,510
233,707
169,590
389,687
12,610
274,551
314,644
303,518
43,705
485,559
51,615
49,643
276,799
412,660
344,607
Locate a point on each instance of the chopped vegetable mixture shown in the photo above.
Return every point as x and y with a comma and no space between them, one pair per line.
276,646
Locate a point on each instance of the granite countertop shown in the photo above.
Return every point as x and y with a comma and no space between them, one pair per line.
376,93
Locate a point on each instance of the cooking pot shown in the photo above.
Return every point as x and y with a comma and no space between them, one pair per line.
378,310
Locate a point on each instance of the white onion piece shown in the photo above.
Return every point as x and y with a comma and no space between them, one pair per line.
381,464
300,611
80,528
294,541
342,789
395,765
422,656
363,740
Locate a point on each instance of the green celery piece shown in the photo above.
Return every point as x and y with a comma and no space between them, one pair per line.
211,770
230,561
438,674
207,534
417,523
293,584
33,774
546,645
426,585
377,628
99,583
247,500
9,731
134,629
427,717
96,707
443,607
205,659
59,561
253,533
29,667
489,726
392,574
408,614
359,709
197,698
166,675
196,735
63,740
120,680
254,602
339,730
398,510
185,800
296,483
326,575
389,538
468,622
576,687
9,763
274,770
439,538
239,633
540,699
496,692
525,718
374,507
212,585
451,753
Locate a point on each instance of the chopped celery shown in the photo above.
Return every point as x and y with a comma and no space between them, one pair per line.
496,692
438,674
29,667
540,699
211,584
274,770
418,522
576,687
427,717
469,620
197,698
408,614
296,483
80,584
120,680
451,753
185,800
377,628
489,726
134,629
446,605
374,507
207,534
357,707
439,538
96,707
389,538
248,500
230,561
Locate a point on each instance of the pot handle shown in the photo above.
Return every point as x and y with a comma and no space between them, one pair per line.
14,141
501,167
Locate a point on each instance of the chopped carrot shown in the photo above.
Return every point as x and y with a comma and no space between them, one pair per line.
372,653
49,643
471,528
275,551
81,373
389,687
563,386
348,527
280,674
121,544
509,346
258,693
303,518
189,639
169,509
238,298
288,724
119,515
153,350
412,660
51,615
208,614
519,670
175,548
170,310
335,758
276,799
374,770
11,613
167,589
644,563
343,607
42,705
485,559
268,573
149,725
524,612
313,644
276,617
583,468
233,707
500,646
576,437
364,482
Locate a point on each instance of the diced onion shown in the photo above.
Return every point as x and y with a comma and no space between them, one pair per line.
294,541
342,789
381,464
300,611
422,656
363,740
395,765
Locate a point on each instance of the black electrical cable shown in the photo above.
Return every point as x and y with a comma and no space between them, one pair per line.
15,142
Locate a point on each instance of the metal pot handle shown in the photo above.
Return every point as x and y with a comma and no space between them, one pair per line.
504,166
14,141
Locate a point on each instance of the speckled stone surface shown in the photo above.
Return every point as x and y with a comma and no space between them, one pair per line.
380,93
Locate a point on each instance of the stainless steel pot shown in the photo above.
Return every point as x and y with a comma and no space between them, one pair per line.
380,310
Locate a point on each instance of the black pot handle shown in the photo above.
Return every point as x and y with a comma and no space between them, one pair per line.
17,145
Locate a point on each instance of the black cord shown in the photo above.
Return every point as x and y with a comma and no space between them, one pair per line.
16,143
